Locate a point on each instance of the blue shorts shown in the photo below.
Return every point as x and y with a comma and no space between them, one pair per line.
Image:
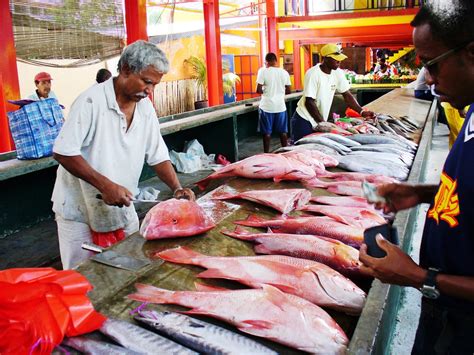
299,127
272,121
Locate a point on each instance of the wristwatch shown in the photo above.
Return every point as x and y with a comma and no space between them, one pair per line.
429,289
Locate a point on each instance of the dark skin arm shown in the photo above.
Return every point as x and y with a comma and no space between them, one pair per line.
112,194
403,196
399,269
166,173
259,89
313,110
287,89
353,104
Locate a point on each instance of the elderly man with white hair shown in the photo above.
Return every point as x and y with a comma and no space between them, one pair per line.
111,130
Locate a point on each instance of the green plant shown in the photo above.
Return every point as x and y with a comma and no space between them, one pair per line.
199,71
228,83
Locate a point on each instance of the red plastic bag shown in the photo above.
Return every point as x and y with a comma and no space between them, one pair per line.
351,113
107,239
39,306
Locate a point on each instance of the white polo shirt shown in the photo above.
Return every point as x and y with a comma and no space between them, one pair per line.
96,129
321,87
274,81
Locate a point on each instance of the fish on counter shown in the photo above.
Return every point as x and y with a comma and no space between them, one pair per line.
316,164
282,200
263,166
341,139
321,226
384,139
353,216
93,347
341,149
331,252
175,218
308,279
313,147
349,201
364,164
352,176
140,340
326,159
349,188
266,312
204,337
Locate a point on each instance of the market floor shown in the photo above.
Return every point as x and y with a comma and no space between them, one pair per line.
410,300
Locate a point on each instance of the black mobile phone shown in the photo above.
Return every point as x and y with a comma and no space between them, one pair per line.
387,231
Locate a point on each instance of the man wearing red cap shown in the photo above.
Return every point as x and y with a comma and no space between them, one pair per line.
320,84
43,87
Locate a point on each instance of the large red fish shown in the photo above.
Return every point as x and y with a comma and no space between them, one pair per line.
266,312
351,176
349,201
323,226
284,200
308,279
175,218
331,252
263,166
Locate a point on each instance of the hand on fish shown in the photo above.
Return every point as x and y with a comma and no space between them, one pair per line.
395,268
185,193
368,115
398,196
116,195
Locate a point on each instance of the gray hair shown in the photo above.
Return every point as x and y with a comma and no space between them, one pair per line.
140,55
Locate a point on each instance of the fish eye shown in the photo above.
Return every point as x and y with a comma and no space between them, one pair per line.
175,221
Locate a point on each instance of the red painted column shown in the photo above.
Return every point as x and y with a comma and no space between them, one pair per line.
297,65
272,33
135,19
261,26
212,37
9,86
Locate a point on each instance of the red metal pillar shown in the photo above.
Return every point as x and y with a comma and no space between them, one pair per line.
297,65
9,86
272,33
263,40
213,52
136,21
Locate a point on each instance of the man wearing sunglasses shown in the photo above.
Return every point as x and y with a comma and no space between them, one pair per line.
444,40
320,84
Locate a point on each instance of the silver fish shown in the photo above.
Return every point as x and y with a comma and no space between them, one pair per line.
382,167
341,149
141,340
341,139
310,146
96,347
201,336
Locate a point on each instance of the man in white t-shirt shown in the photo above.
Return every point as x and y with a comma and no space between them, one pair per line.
273,83
111,130
320,84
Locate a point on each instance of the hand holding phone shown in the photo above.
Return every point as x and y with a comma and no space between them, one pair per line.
388,232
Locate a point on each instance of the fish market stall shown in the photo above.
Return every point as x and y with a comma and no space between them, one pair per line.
366,331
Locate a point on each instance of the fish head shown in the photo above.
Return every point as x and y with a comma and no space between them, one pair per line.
175,218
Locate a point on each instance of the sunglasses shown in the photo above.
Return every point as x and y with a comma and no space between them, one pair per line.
431,65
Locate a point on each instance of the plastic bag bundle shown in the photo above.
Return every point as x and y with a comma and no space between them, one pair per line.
39,306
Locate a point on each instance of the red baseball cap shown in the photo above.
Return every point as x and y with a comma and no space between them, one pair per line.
43,76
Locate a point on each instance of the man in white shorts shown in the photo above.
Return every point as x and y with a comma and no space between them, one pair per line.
111,130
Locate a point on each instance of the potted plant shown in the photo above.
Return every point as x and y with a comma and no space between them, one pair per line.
199,73
228,84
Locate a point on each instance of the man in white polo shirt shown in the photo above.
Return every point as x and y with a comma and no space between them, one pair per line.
320,84
273,83
111,130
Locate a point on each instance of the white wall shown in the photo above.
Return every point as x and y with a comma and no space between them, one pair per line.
67,83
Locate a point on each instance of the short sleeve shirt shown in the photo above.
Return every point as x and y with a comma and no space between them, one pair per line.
274,81
96,129
321,87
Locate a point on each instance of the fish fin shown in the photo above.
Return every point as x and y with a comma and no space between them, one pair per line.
269,230
372,215
254,324
214,274
224,196
239,233
274,295
148,293
251,221
202,184
208,288
261,249
241,230
180,255
284,288
315,182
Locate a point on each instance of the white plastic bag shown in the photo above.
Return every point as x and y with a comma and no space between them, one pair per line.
194,148
185,163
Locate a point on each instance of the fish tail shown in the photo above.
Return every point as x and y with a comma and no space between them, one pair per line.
180,255
251,221
239,233
202,184
224,196
148,293
315,182
208,288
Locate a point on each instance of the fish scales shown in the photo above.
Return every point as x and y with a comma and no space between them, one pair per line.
311,146
96,347
141,340
201,336
342,140
341,149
